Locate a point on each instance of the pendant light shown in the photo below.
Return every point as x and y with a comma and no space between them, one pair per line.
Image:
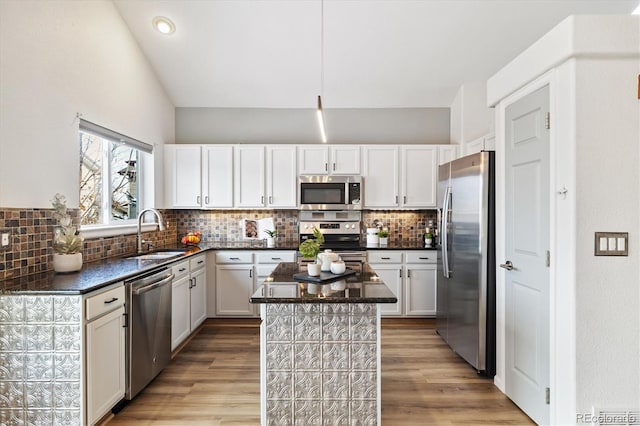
320,111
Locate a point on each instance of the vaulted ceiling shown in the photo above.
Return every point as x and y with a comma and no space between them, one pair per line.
377,54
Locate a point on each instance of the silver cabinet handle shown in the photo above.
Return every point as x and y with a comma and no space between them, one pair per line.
508,266
198,199
326,167
234,258
271,292
408,273
206,199
404,199
396,199
262,199
270,199
276,258
334,167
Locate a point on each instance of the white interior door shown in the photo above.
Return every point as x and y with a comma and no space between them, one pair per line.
526,245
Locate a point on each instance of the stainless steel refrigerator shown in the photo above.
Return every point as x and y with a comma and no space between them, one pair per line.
466,259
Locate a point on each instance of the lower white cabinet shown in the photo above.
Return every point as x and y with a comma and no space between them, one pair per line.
105,351
411,275
234,286
420,290
188,298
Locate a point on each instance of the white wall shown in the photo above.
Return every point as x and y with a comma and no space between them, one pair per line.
59,58
470,116
285,125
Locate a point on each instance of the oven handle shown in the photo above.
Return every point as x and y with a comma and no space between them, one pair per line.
151,286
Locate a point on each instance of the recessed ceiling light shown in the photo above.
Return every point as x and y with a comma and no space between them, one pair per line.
164,25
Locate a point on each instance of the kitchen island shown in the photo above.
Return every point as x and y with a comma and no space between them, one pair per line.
320,348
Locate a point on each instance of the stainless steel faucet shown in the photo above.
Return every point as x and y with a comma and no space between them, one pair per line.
161,226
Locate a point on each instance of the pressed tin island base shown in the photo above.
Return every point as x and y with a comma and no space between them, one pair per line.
320,364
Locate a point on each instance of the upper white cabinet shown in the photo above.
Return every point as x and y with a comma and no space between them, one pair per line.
199,176
447,153
381,176
419,176
325,160
282,179
249,176
217,176
484,143
182,174
400,177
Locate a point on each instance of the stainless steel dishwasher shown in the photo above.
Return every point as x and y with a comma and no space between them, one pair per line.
148,311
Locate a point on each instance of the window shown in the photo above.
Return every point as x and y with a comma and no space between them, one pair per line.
110,176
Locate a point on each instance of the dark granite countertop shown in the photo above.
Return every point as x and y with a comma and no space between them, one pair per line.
363,287
95,275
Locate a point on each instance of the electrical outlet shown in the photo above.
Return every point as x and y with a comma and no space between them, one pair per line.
5,239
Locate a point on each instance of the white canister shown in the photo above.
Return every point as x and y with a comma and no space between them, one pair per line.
372,237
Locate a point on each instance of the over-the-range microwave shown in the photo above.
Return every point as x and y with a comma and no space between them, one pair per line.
318,192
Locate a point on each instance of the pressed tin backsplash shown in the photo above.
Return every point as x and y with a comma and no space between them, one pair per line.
31,230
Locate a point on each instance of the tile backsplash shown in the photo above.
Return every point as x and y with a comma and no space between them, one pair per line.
32,230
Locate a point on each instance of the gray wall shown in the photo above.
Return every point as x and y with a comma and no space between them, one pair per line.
344,126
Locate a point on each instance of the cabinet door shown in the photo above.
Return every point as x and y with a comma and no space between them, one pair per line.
419,176
392,277
249,176
345,160
217,176
282,177
313,160
198,298
474,146
380,176
180,316
490,142
105,364
420,290
234,285
182,166
447,153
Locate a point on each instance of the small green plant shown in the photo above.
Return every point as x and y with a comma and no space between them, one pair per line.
311,247
428,236
271,232
383,234
67,239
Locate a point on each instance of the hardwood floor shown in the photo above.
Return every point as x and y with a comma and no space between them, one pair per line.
215,380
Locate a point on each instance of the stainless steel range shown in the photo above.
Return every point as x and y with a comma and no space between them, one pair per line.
341,231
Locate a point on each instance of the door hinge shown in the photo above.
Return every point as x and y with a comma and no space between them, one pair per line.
547,396
548,260
547,120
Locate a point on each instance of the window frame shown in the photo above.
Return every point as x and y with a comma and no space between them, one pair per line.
144,154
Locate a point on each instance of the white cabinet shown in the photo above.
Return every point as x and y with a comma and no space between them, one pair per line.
391,274
198,287
180,304
400,177
199,176
420,283
420,290
217,176
381,176
419,176
447,153
282,176
325,160
411,276
105,351
188,298
265,262
234,283
249,176
484,143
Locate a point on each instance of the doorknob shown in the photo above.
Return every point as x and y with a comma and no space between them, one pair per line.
508,266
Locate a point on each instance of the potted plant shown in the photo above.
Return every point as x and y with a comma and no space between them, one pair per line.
271,239
428,239
67,241
309,249
383,236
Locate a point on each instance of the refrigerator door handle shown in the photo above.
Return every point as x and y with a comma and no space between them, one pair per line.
445,233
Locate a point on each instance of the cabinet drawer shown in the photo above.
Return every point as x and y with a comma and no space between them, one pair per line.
180,269
197,262
105,302
234,257
380,256
274,256
422,256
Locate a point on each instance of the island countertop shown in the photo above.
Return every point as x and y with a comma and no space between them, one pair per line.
363,287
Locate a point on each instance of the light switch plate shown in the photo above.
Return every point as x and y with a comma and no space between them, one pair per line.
611,244
5,239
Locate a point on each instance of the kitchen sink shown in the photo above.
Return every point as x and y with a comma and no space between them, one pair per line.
158,255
